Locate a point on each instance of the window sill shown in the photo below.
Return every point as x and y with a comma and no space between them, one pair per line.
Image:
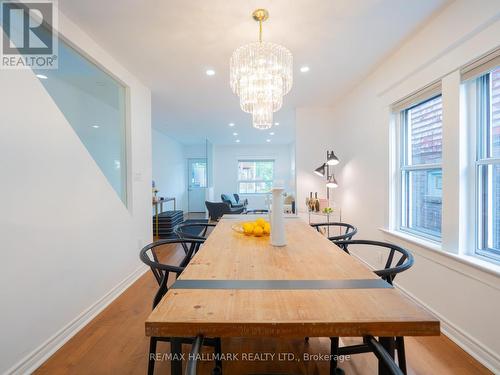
475,262
431,245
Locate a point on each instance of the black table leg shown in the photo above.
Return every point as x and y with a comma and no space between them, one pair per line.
388,344
176,361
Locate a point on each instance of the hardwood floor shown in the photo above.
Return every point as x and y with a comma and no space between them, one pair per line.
114,343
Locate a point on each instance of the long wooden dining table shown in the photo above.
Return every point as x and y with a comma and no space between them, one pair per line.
241,286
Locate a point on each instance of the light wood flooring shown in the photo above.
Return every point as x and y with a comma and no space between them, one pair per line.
114,343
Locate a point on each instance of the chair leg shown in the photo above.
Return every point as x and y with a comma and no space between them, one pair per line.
400,348
218,360
176,361
152,353
334,352
388,344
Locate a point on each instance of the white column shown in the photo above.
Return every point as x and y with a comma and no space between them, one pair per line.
453,162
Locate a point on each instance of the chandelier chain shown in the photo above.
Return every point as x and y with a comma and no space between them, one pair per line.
260,31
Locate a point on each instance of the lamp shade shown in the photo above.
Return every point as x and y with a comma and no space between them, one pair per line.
332,182
332,159
320,171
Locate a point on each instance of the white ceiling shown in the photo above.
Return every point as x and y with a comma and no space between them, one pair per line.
170,44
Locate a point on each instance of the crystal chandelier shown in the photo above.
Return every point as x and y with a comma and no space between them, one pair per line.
261,74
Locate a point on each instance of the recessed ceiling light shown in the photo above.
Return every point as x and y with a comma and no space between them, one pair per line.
304,69
210,72
272,133
276,123
237,141
41,76
95,126
268,140
231,124
235,134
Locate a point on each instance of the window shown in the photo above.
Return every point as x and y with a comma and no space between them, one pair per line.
197,173
94,105
255,176
487,164
421,173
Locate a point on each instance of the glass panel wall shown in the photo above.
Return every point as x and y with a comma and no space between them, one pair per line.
94,104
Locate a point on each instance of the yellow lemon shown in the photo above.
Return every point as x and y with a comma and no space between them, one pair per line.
260,222
248,228
258,231
267,228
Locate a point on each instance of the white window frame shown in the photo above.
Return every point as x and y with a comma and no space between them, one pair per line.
460,164
403,169
481,159
254,181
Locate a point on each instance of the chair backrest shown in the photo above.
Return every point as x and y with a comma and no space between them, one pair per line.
392,267
236,198
217,209
193,230
161,271
348,232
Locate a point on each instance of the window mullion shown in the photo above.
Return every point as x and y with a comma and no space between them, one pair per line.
419,167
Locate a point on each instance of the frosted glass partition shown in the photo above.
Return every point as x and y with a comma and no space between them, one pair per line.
210,163
93,102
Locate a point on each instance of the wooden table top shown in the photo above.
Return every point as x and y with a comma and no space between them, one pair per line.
227,255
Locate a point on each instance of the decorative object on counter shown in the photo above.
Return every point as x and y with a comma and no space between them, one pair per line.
327,210
289,206
154,191
315,204
323,204
278,237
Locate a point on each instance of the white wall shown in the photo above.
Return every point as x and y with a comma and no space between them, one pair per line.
226,168
69,245
466,298
197,151
169,169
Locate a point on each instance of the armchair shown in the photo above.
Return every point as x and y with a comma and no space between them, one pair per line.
234,200
217,209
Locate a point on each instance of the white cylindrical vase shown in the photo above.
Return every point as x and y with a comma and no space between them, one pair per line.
278,237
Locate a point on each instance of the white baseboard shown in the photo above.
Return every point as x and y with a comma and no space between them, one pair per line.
37,357
475,348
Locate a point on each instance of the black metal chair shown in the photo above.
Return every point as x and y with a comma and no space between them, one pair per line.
349,232
391,269
161,272
197,231
217,209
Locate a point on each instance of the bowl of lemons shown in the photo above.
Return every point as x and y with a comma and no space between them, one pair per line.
257,228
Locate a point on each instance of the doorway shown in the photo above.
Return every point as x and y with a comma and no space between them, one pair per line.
197,184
